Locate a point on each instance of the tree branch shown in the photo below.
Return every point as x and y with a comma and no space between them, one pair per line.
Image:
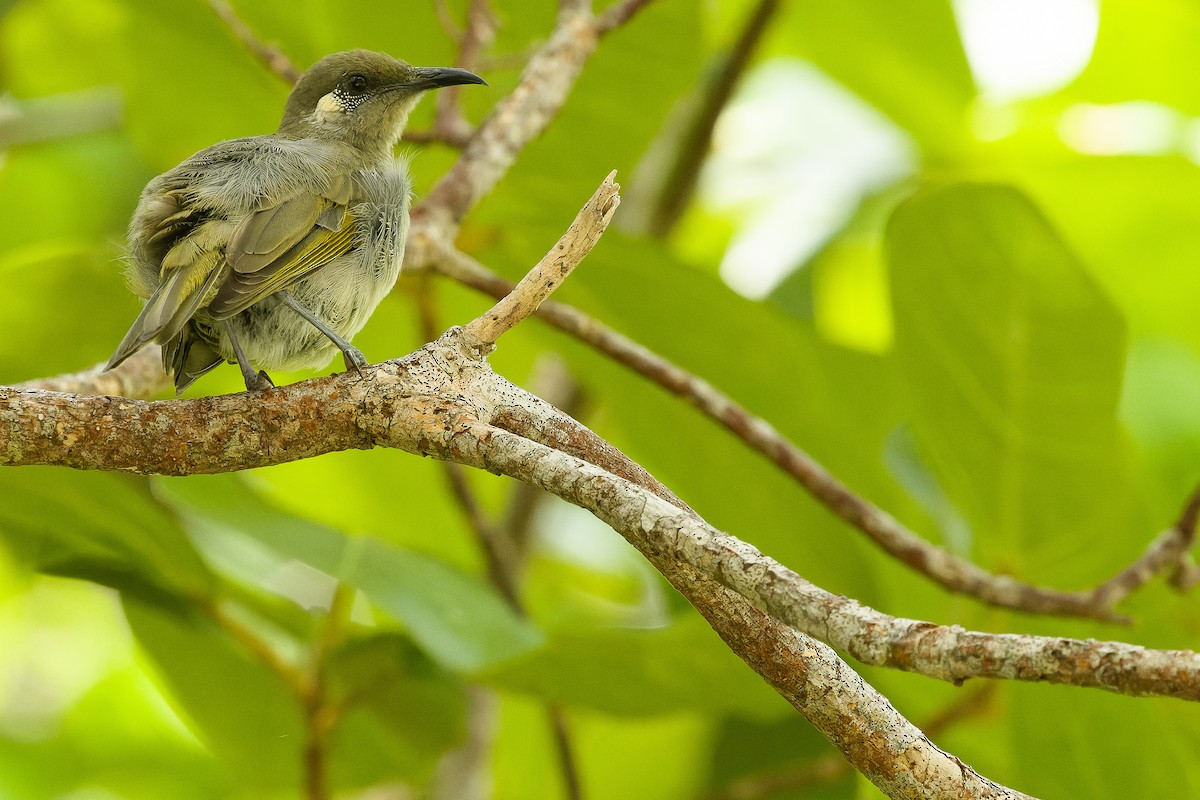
274,59
140,375
516,120
944,568
590,223
441,401
618,14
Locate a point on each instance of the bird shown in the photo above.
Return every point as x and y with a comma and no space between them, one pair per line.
272,251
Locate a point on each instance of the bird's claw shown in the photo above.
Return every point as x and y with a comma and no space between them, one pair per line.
354,359
256,383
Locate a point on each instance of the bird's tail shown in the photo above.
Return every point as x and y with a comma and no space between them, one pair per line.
187,356
170,307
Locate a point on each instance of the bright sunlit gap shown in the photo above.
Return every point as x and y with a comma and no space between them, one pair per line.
1026,48
795,153
793,156
1134,128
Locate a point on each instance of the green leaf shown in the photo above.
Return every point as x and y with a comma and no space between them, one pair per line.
242,710
1013,359
905,59
403,711
1090,759
642,672
747,750
454,617
104,527
1145,50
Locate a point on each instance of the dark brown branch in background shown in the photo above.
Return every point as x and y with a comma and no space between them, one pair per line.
673,190
942,567
618,14
271,56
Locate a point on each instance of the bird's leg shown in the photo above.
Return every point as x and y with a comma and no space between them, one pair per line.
353,357
254,380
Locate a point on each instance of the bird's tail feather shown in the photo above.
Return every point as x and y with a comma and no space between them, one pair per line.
170,307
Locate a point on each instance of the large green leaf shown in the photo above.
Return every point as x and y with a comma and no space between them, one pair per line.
1090,759
455,617
905,59
102,526
1013,359
1145,50
642,672
402,710
242,710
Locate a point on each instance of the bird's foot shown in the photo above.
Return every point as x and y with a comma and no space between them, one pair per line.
258,382
354,359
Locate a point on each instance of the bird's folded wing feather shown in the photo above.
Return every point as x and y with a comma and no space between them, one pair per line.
279,244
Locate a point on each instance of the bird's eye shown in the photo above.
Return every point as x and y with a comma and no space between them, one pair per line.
357,84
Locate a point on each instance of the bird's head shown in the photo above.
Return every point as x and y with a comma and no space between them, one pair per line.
362,98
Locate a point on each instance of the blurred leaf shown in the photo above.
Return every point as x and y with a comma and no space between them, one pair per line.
1145,50
773,750
1090,759
1126,210
650,758
101,526
403,711
905,59
456,618
242,710
1014,358
116,742
642,672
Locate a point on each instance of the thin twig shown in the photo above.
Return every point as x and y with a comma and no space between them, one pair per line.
139,376
564,747
499,551
291,676
1170,549
552,270
942,567
478,34
674,192
320,716
618,14
504,552
274,59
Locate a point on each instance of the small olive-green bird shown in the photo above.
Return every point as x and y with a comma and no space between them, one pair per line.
272,251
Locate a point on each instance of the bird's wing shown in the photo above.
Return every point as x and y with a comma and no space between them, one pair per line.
192,268
186,249
281,243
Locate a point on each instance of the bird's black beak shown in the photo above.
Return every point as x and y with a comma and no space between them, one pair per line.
437,77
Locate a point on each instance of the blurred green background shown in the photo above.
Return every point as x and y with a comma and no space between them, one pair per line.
948,248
